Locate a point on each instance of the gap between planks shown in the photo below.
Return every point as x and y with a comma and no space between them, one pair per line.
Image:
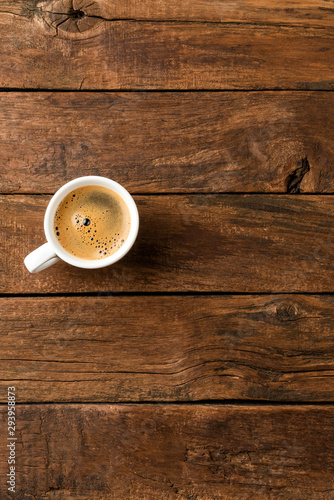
197,193
200,402
156,91
158,294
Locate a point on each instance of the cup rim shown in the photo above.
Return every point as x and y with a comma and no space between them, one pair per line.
90,180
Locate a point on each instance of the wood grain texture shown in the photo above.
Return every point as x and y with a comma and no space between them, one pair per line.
81,49
172,452
309,13
226,243
168,142
110,349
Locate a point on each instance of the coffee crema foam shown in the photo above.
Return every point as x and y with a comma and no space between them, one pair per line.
92,222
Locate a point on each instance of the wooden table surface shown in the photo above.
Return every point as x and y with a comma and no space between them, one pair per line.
201,365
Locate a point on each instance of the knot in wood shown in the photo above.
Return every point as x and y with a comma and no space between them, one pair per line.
287,311
72,16
76,14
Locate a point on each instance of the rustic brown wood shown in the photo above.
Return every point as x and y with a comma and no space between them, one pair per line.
108,349
229,243
311,13
168,142
166,348
169,452
80,49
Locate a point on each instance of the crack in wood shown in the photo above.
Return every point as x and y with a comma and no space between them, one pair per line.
295,179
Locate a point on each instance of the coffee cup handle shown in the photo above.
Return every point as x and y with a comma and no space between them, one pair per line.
41,258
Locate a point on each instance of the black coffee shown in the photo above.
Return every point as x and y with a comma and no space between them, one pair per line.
92,222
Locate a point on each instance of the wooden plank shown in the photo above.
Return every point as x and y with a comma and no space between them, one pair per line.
108,349
311,13
167,452
224,243
168,142
64,48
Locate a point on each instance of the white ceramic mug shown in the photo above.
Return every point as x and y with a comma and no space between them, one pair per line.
51,252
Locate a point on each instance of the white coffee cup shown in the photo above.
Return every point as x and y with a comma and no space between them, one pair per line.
51,252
